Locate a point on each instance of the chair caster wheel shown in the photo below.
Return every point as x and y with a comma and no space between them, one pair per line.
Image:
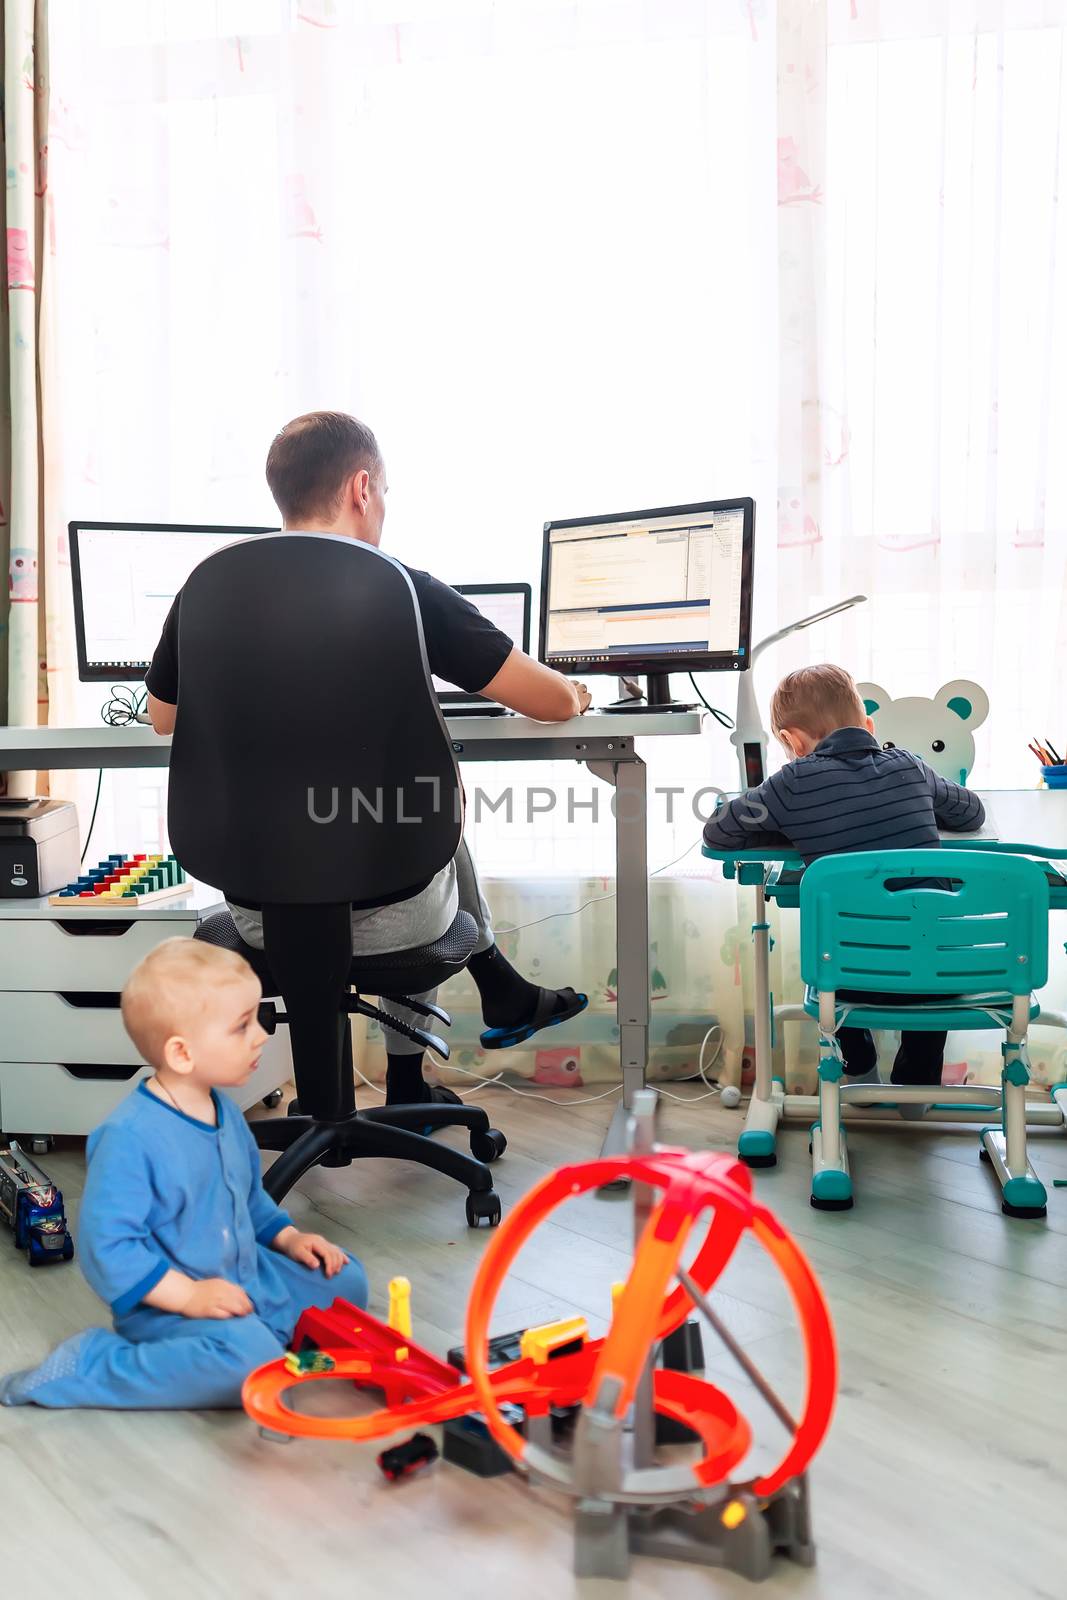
270,1101
293,1108
489,1146
483,1207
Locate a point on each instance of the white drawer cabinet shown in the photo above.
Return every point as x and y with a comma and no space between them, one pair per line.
79,953
65,1059
82,1028
46,1097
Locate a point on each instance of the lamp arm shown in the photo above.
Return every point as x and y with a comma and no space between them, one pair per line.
750,736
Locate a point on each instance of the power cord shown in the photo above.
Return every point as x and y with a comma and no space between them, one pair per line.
552,915
723,718
125,705
92,819
712,1087
499,1081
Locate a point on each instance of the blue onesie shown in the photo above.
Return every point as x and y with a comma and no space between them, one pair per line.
166,1190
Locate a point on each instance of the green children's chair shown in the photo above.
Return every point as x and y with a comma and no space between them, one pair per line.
966,931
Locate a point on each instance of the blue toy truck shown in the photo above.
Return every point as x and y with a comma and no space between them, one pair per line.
32,1207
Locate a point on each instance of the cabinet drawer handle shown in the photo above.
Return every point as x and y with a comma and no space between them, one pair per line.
90,1000
114,1074
102,927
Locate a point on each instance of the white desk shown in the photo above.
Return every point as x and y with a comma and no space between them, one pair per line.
603,742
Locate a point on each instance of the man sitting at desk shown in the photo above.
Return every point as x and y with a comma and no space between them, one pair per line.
843,791
327,475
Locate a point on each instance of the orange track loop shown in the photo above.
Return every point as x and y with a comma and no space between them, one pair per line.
691,1183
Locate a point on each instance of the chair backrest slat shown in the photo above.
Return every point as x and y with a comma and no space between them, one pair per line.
924,922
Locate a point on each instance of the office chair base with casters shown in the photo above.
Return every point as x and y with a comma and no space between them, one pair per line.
389,1132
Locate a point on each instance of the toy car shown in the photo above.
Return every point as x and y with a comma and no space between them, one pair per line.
403,1460
32,1207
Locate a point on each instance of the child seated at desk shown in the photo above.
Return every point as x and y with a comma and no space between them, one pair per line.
204,1274
843,791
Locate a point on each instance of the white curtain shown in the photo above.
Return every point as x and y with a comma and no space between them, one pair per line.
923,338
532,244
579,257
923,328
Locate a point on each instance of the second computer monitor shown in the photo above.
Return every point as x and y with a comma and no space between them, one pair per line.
507,607
649,592
125,577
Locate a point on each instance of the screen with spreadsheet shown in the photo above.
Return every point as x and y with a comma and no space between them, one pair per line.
649,591
125,576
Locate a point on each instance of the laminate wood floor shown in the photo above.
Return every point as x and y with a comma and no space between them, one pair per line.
944,1475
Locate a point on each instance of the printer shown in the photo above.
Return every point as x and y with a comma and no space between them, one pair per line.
38,846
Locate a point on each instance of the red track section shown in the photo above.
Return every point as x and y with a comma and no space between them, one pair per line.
419,1389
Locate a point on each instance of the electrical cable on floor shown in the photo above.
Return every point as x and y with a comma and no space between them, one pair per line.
616,1089
499,1081
552,915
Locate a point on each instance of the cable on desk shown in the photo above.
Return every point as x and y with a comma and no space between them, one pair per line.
124,706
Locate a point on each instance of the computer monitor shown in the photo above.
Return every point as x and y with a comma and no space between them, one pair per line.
125,577
507,606
649,592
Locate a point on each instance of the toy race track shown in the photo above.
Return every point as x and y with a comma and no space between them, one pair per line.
559,1367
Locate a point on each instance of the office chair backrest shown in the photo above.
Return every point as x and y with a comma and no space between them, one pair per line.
987,932
310,763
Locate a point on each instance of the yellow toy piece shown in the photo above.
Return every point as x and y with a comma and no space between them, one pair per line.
538,1344
400,1306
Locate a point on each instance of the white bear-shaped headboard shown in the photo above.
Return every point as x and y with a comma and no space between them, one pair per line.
939,730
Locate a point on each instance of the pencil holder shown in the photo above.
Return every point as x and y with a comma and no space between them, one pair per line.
1055,776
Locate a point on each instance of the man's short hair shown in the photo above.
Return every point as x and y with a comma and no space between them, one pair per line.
818,701
311,460
166,991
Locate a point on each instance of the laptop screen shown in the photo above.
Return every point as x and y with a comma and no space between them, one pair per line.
507,606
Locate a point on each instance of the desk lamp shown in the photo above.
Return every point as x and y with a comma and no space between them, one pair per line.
749,737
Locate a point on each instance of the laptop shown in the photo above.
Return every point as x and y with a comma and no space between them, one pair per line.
507,606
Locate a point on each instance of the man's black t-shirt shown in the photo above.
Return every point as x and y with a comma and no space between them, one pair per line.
462,646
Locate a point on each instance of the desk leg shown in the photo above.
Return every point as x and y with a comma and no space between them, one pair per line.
756,1144
631,940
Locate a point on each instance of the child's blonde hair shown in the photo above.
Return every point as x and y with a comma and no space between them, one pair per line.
166,990
818,701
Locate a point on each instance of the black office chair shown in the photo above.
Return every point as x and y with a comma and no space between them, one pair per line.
311,772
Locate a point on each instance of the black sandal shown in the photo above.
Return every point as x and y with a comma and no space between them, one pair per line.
545,1015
